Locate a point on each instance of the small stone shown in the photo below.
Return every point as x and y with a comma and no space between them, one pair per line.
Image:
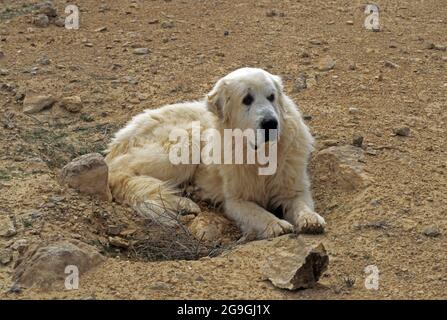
357,141
167,24
4,72
141,51
353,110
432,231
350,22
352,66
101,29
330,143
41,21
20,245
119,242
325,64
34,103
59,22
43,61
391,64
403,131
72,104
48,9
7,228
301,82
271,13
88,174
297,268
5,257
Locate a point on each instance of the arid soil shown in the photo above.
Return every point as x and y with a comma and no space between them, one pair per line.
382,83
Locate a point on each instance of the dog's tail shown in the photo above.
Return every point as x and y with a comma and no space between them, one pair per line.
151,197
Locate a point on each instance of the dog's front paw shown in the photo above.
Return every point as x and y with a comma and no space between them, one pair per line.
309,221
276,228
187,206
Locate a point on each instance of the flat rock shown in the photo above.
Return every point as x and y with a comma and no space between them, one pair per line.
88,174
44,265
34,103
72,104
5,257
41,20
326,63
141,51
7,228
341,167
431,231
296,266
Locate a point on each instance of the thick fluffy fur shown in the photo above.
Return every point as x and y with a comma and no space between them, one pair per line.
141,175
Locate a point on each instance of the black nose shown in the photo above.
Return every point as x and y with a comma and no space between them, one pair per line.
271,123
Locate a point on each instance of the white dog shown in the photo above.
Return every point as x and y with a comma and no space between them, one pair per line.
142,175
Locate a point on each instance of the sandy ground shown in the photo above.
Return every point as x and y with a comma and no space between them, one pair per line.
192,44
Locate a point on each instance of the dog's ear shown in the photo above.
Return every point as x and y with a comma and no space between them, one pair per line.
216,99
278,83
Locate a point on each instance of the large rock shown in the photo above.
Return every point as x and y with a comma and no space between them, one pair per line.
44,265
7,228
295,265
88,174
341,167
211,227
34,103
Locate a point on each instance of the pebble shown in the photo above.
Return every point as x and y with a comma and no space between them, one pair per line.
350,22
4,72
7,228
34,103
403,131
141,51
43,61
357,140
41,20
301,82
5,257
431,231
391,64
325,64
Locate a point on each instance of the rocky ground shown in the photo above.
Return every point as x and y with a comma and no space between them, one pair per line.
375,101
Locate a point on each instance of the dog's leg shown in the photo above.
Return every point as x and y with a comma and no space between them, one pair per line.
151,197
251,218
300,212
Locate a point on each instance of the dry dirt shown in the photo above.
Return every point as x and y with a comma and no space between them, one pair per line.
193,43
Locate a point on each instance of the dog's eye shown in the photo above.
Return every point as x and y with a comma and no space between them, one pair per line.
271,97
248,100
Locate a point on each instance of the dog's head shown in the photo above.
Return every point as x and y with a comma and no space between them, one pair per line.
248,98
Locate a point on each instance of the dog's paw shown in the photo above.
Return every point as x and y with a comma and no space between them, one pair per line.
187,206
276,228
309,221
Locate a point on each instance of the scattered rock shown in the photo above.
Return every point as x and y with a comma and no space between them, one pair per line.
41,20
403,131
357,141
342,168
44,264
20,245
326,63
72,104
301,82
88,174
101,29
432,231
391,64
210,227
167,24
350,22
34,103
141,51
43,61
297,267
271,13
4,72
353,110
7,228
119,242
330,143
59,22
48,9
5,257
